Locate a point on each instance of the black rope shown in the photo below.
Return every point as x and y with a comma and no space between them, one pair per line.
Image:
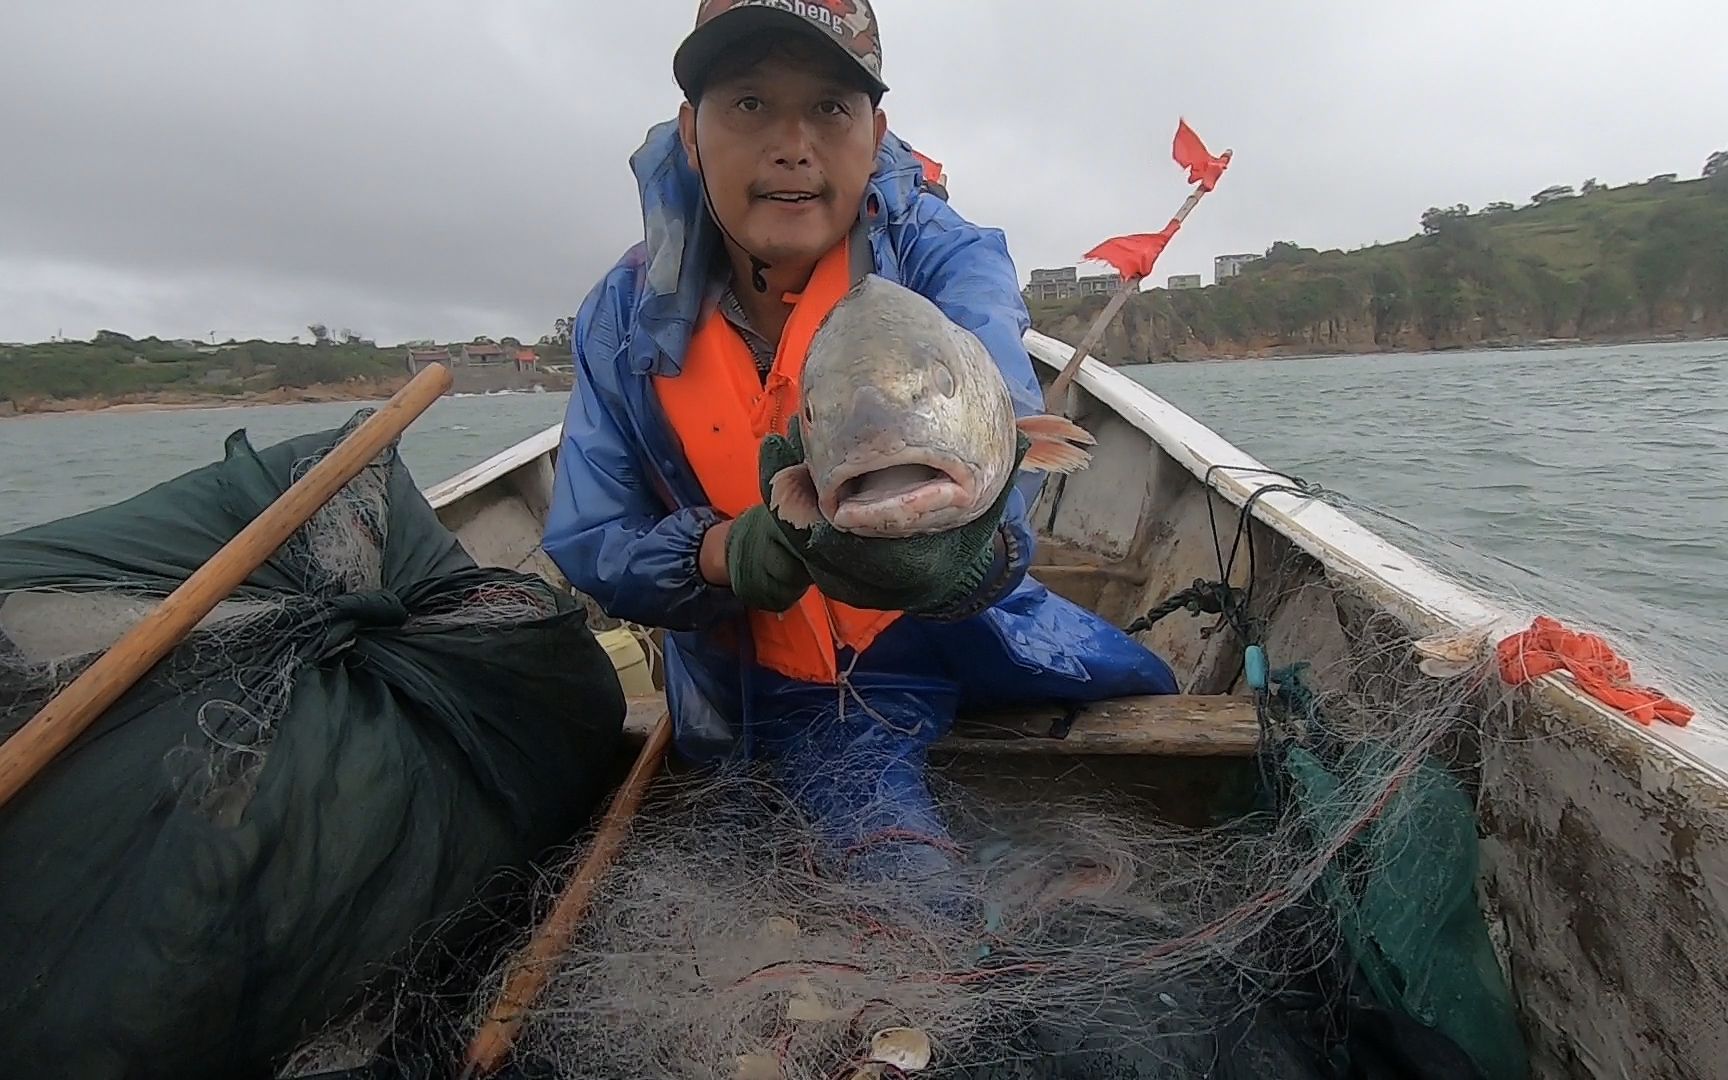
1216,597
1201,598
757,265
1235,606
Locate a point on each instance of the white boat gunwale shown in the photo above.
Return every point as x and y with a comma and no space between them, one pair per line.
499,465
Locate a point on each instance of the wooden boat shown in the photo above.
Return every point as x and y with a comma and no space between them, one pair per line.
1605,843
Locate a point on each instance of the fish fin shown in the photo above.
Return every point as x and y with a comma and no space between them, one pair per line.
792,496
1053,449
1055,427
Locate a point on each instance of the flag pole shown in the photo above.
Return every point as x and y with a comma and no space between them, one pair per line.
1058,388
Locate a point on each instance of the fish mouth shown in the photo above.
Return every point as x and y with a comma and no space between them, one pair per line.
899,494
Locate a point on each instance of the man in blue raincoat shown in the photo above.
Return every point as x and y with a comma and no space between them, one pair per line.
778,183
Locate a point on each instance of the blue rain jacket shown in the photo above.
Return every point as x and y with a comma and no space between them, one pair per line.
627,513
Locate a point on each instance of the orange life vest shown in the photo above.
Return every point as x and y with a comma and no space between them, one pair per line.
720,410
932,169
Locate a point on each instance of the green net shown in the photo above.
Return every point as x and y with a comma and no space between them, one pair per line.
1402,887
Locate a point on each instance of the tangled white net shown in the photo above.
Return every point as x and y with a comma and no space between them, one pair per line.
719,947
720,944
1101,919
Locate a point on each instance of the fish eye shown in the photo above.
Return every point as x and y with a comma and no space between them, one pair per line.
941,379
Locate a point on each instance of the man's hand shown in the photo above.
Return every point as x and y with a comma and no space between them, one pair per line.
749,556
711,556
914,574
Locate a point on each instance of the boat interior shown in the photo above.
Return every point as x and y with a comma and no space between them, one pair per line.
1604,851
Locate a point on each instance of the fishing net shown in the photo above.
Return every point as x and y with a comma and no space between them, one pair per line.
1309,912
1664,647
1604,831
365,740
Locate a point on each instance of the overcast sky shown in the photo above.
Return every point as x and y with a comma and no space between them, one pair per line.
434,168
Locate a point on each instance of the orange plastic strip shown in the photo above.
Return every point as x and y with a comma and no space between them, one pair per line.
1547,647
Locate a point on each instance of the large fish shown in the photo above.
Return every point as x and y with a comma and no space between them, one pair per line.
906,424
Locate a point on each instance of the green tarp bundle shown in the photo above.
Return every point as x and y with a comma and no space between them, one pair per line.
367,733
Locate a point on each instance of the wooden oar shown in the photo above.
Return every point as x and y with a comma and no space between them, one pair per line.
534,964
72,710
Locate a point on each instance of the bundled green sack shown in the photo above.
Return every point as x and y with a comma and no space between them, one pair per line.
1410,921
343,754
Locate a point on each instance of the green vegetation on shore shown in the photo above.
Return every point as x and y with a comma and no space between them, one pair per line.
112,367
1645,260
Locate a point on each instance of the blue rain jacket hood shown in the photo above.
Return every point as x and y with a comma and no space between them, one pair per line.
628,514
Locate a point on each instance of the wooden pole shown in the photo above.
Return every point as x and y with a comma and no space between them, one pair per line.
1058,389
533,966
73,710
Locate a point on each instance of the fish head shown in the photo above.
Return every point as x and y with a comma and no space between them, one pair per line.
906,424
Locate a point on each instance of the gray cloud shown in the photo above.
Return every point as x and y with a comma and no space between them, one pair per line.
436,168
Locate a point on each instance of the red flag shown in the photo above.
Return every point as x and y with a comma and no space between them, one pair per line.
1191,154
1133,256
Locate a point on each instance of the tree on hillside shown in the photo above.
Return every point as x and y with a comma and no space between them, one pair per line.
1663,178
302,369
1609,294
1590,186
1553,297
1437,219
1498,208
1440,304
1389,302
1676,243
1458,239
1716,164
1285,252
320,333
1549,194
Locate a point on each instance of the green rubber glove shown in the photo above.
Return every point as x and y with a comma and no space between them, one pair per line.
915,574
767,573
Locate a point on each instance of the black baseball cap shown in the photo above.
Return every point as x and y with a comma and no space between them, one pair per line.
848,25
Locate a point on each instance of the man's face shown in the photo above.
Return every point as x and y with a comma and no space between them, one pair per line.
786,147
